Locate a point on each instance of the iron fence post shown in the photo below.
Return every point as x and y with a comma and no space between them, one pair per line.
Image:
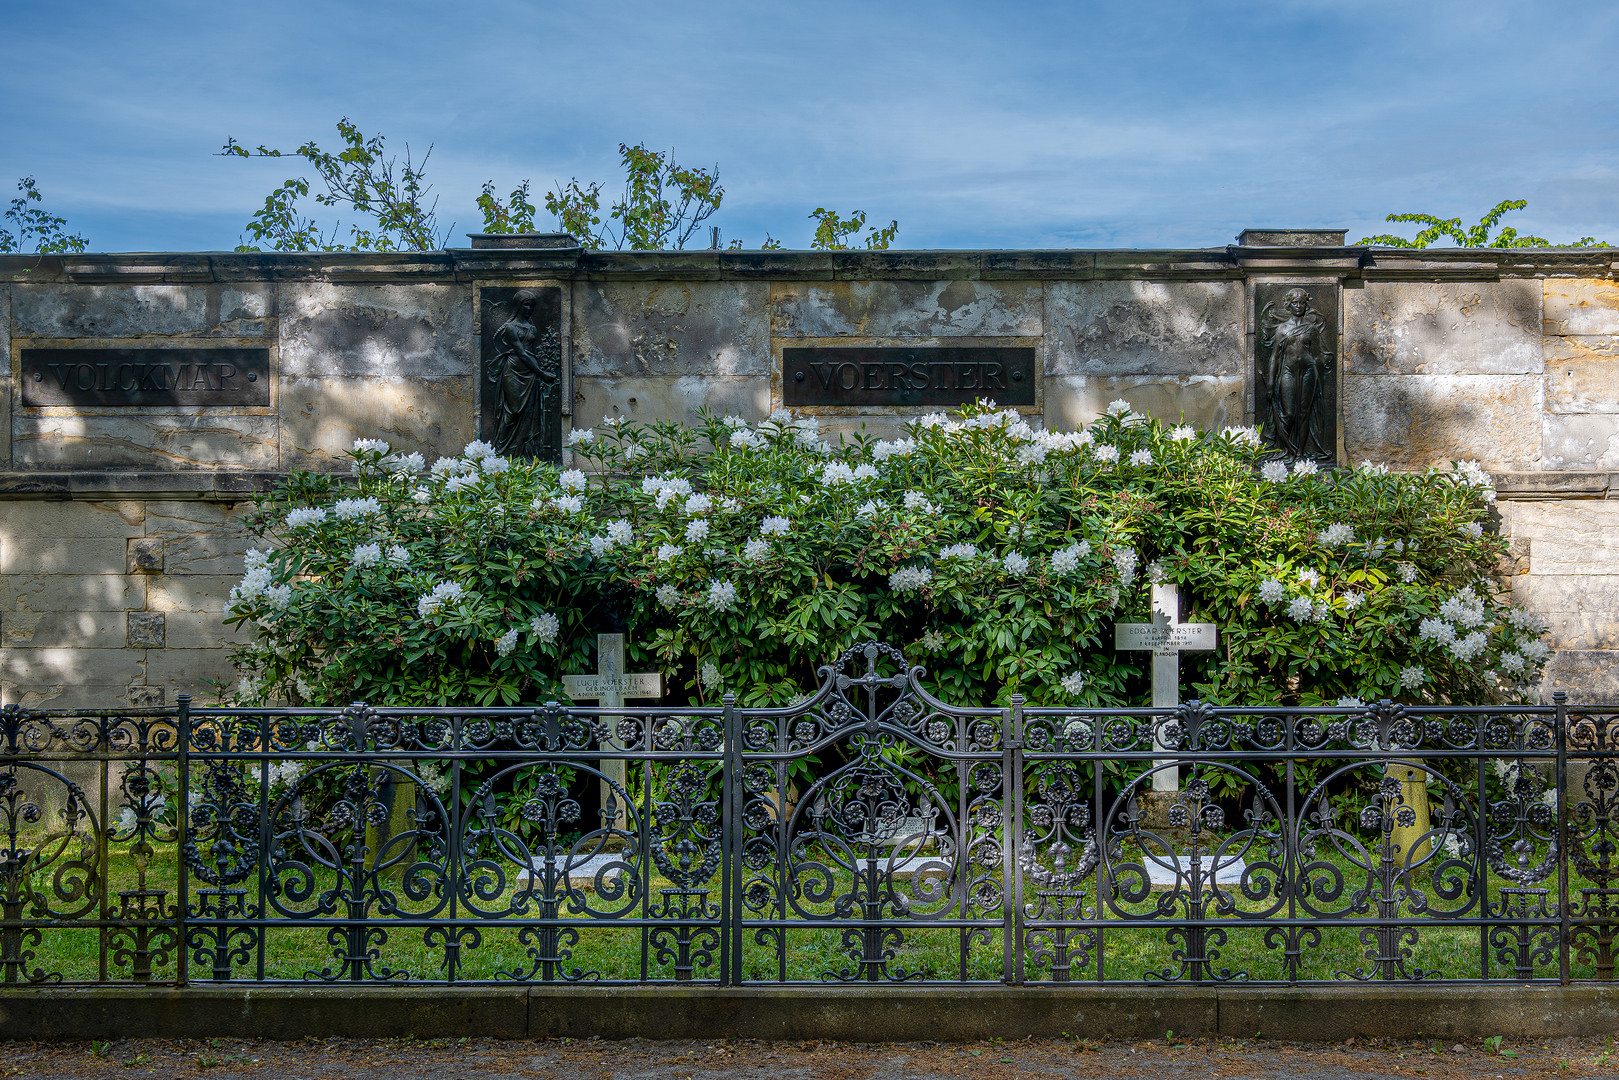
1012,830
182,723
731,846
1565,922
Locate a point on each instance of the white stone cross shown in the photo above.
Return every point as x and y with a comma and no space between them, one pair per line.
609,687
1167,637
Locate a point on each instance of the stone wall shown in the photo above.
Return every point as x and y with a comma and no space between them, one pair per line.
117,543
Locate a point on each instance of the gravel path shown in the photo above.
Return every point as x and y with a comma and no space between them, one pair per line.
641,1059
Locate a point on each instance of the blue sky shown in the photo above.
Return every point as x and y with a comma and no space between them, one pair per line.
1140,124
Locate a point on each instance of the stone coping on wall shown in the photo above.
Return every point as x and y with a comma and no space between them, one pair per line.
466,264
852,1013
222,485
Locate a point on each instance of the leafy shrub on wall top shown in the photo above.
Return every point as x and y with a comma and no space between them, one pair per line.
743,556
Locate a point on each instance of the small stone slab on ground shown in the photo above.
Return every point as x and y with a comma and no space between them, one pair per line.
1227,872
581,875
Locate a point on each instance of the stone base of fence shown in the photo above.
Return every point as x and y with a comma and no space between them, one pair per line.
845,1014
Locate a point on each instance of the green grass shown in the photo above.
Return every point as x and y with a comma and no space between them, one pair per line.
807,953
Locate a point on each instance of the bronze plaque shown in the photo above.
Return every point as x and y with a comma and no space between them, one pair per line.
1296,369
137,377
921,375
520,385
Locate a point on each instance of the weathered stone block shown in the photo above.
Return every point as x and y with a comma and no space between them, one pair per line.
5,376
1582,374
146,697
321,418
48,555
188,671
72,592
1129,328
62,629
1417,420
1206,400
672,328
960,308
1570,536
397,330
144,555
72,519
172,439
1587,676
52,670
1580,440
1462,328
190,592
198,537
203,630
144,629
1581,610
645,399
1575,306
129,311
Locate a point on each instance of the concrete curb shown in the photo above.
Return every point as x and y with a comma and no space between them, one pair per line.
850,1014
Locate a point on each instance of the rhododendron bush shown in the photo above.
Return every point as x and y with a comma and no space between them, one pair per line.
741,556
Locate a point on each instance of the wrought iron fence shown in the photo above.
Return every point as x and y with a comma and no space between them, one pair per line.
872,833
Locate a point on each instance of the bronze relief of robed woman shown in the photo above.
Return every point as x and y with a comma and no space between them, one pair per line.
522,397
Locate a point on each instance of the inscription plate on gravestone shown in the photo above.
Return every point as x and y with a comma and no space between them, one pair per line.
145,377
520,382
896,375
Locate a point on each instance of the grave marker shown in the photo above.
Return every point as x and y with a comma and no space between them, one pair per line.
609,686
1166,637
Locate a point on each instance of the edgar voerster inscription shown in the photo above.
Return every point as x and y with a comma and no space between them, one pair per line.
520,388
924,375
145,377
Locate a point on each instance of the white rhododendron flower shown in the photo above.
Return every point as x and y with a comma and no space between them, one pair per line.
1305,468
1271,590
1337,534
1118,407
721,595
909,578
932,640
1273,472
709,675
1310,577
506,643
1472,529
1107,452
305,515
573,480
668,551
581,437
1141,458
1184,433
775,526
1066,560
696,530
545,626
1301,608
668,596
1016,564
442,594
569,504
959,551
477,449
363,446
1073,682
1413,676
366,555
698,504
915,500
1126,560
756,550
